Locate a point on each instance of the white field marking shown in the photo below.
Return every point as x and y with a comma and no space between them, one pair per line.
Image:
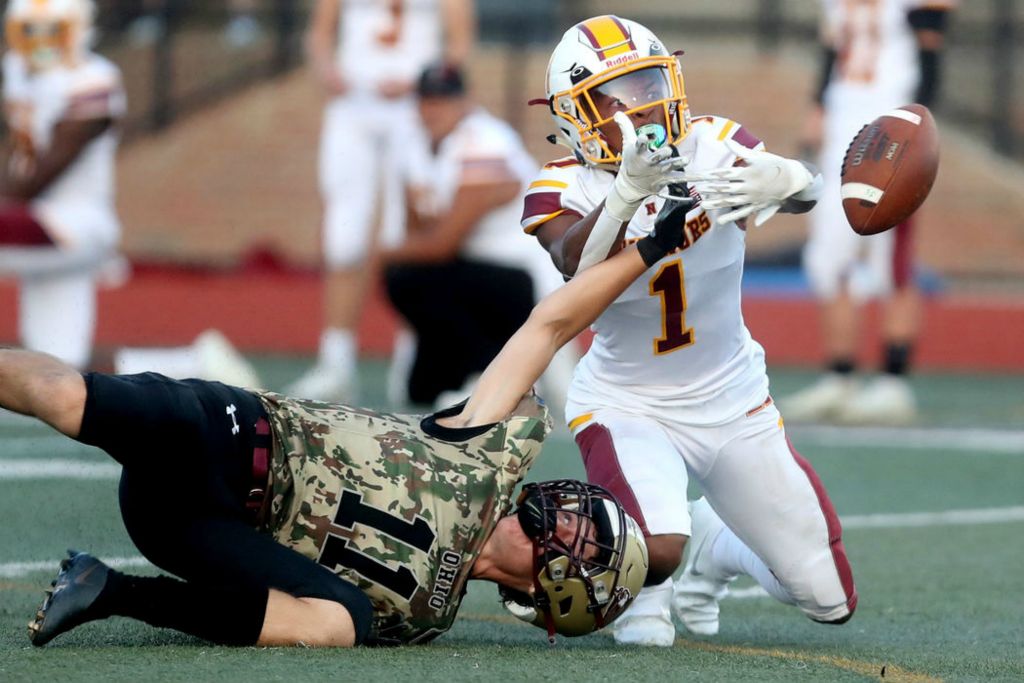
12,570
973,441
55,468
907,520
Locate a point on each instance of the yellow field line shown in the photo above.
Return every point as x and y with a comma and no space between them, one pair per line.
870,669
888,672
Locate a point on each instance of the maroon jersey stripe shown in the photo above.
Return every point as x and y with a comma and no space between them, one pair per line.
541,204
746,138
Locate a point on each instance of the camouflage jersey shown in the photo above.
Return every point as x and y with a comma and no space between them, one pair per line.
395,504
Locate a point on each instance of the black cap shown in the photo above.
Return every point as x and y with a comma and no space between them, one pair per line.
441,80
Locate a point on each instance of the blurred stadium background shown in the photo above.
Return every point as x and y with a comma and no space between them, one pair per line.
221,215
217,193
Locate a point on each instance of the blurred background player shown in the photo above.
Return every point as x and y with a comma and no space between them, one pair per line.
878,55
464,279
674,386
367,56
58,223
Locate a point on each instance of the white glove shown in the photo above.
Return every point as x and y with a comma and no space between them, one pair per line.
758,188
642,172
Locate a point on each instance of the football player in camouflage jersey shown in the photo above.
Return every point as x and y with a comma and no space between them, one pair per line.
322,524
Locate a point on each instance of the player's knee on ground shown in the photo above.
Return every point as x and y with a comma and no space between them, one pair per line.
665,553
313,622
821,592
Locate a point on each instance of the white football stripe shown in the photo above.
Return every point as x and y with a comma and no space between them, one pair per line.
57,469
868,193
905,115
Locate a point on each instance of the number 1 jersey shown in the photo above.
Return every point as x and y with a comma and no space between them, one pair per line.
675,339
396,504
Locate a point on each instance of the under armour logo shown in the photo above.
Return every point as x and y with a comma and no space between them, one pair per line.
231,410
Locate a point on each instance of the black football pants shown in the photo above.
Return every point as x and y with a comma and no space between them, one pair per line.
186,447
462,312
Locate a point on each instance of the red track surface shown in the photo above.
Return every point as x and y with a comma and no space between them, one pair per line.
280,312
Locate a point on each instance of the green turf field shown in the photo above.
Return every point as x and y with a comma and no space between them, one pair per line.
941,596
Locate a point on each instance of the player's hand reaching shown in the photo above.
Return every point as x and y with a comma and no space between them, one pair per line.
759,187
667,234
643,171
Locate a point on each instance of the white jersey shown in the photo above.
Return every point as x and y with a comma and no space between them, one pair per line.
675,339
79,204
876,50
479,139
381,40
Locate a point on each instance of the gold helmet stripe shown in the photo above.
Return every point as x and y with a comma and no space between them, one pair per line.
607,36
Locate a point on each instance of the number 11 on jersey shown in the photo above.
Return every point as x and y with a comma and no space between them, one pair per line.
668,284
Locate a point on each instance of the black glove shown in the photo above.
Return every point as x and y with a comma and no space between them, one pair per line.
667,235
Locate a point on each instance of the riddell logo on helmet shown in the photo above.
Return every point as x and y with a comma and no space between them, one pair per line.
628,57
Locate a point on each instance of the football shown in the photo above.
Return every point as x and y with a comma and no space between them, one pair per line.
889,168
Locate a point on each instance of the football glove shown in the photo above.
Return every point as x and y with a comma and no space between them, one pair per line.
642,172
667,235
759,188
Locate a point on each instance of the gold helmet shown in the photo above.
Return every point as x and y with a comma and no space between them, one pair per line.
621,59
585,579
49,33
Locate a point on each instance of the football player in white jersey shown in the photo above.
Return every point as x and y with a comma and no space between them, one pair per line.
878,55
465,190
367,55
58,224
674,387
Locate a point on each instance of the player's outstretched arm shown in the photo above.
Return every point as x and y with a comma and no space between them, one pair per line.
43,387
558,318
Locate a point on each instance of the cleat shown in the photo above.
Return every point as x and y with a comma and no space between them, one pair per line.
221,362
325,383
886,400
648,621
822,401
76,588
645,631
696,592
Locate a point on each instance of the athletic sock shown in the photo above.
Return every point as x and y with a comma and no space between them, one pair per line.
228,615
842,366
897,358
729,556
338,348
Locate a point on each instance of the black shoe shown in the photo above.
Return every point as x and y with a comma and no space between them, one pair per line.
68,604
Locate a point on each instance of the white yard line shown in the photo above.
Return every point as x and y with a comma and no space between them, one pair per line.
57,468
944,518
969,440
904,520
11,570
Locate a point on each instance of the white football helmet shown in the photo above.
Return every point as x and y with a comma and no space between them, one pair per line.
50,33
616,58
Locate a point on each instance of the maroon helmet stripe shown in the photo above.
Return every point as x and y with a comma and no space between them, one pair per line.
590,36
625,32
